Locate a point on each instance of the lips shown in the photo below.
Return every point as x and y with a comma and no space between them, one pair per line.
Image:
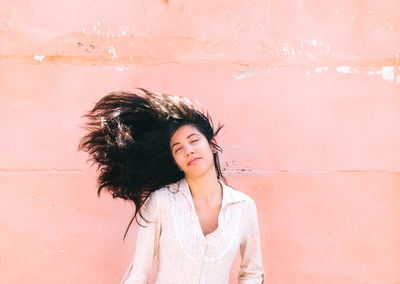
192,161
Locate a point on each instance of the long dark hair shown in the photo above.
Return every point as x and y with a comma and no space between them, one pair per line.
128,139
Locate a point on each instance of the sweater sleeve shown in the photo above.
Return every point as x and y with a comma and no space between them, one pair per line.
146,243
251,269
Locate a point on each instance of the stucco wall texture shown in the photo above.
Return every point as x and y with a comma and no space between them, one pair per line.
309,95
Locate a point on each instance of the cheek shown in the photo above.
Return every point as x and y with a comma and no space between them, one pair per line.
208,152
178,159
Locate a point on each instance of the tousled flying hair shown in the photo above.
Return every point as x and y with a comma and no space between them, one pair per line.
128,139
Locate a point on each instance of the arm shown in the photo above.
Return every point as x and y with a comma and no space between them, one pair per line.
251,270
146,243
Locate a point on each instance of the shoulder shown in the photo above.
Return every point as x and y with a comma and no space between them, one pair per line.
156,199
159,195
239,196
247,205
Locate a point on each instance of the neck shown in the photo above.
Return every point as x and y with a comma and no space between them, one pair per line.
205,188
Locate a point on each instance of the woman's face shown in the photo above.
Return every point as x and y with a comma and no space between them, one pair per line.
191,151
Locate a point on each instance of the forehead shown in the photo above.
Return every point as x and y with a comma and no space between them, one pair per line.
183,132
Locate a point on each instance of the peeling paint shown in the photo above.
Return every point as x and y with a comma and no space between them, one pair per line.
288,50
347,70
344,69
111,50
320,69
387,73
247,74
122,68
39,57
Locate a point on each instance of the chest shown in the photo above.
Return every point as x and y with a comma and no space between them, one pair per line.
208,217
184,226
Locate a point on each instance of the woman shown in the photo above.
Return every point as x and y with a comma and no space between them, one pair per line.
160,152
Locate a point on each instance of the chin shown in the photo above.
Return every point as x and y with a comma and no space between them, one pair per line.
198,172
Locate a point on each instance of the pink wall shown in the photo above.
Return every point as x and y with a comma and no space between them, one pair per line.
309,93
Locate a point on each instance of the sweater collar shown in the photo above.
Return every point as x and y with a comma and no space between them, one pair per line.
229,195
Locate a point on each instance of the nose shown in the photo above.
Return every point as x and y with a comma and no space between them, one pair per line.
189,150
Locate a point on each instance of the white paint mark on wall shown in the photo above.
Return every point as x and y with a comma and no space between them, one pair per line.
288,50
122,68
320,69
111,50
347,70
344,69
39,57
387,73
247,74
304,47
314,42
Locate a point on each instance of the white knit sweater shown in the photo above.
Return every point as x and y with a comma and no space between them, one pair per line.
187,256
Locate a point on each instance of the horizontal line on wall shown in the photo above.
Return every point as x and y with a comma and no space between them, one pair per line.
248,171
41,171
258,64
228,172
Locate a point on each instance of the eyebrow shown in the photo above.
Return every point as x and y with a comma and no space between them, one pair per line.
172,147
